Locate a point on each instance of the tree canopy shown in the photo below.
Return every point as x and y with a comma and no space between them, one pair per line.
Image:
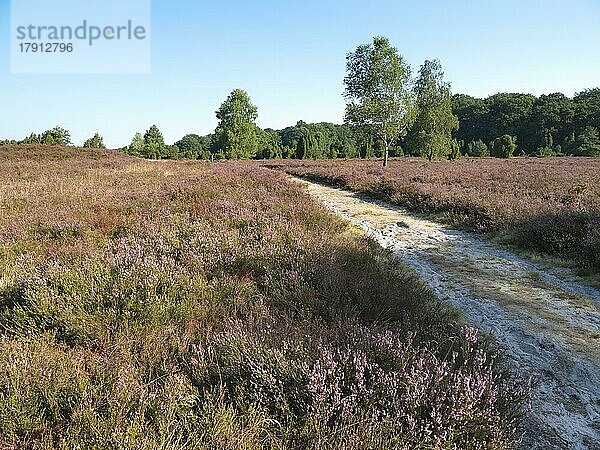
378,92
431,133
95,141
151,145
547,125
237,134
56,136
192,146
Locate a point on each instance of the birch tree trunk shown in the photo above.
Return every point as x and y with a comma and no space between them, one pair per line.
386,153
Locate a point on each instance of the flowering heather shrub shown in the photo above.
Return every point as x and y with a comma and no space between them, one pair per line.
546,204
362,387
195,305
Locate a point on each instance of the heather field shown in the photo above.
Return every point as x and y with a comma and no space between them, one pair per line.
549,205
165,305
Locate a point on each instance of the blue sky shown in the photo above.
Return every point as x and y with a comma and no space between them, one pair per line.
290,57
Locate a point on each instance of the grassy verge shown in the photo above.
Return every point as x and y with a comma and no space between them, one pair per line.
547,205
164,305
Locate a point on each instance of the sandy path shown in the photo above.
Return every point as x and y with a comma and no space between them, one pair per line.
545,319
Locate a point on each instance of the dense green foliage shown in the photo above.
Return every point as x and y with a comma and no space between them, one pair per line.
154,143
95,141
547,125
192,146
378,92
301,141
504,146
136,148
585,142
544,126
55,136
431,134
236,135
151,146
477,148
320,140
270,146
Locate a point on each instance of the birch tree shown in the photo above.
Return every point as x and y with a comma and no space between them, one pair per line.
431,134
378,92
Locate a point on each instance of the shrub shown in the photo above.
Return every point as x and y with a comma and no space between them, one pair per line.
56,136
477,148
504,146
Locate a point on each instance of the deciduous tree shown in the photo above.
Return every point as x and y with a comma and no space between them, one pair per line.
56,136
192,146
431,133
585,143
378,92
472,115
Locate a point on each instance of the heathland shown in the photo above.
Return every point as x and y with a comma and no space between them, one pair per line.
216,305
545,319
548,205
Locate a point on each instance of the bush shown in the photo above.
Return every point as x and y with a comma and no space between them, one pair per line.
477,148
454,151
504,146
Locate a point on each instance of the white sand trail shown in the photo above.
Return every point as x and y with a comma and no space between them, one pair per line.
545,319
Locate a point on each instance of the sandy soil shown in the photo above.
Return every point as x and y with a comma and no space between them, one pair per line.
544,318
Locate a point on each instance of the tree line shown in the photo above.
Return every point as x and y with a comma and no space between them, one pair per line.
57,136
388,113
547,125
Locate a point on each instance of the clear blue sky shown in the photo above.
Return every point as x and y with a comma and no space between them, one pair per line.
290,57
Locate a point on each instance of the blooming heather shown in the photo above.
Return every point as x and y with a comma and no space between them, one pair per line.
196,305
550,205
